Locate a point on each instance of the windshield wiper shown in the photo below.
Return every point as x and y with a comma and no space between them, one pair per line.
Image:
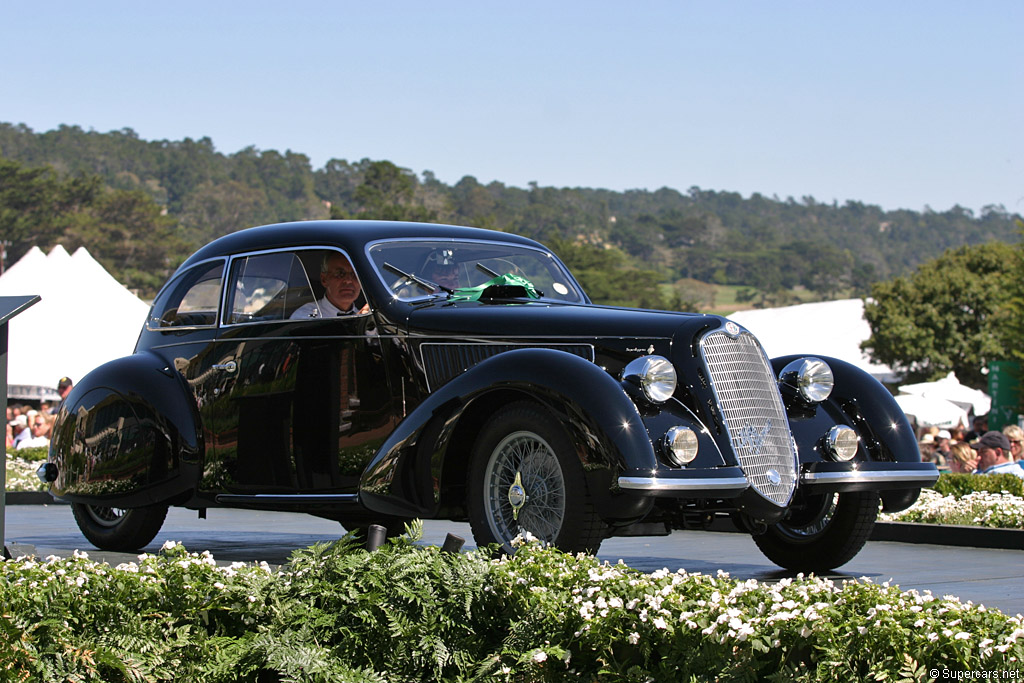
487,270
424,283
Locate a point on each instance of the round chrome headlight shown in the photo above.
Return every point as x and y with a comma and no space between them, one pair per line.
680,446
811,378
841,443
655,375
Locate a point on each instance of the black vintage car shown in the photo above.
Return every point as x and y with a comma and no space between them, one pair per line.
467,376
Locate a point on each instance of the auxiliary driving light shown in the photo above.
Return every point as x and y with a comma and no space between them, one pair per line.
680,446
841,443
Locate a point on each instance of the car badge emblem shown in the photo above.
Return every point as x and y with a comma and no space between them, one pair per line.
754,439
774,477
732,328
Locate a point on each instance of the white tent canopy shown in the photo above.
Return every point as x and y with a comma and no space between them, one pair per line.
827,328
950,389
932,411
85,318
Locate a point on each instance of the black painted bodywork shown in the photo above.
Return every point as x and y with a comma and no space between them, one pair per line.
376,414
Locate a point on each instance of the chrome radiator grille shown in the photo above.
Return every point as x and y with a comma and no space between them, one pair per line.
752,411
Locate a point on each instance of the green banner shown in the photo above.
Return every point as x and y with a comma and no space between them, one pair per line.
1005,389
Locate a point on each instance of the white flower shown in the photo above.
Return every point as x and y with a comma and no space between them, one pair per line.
962,636
633,638
539,656
659,623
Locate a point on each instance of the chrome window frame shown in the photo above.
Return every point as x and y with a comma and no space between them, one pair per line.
261,252
177,276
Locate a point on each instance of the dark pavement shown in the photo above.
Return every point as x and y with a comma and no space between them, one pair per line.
992,577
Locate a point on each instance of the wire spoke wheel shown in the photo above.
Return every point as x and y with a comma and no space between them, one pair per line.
526,477
823,532
119,529
527,458
104,516
805,525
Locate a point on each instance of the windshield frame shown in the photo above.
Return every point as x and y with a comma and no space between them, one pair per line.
561,277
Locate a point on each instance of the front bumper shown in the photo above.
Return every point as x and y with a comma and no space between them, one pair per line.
825,477
818,477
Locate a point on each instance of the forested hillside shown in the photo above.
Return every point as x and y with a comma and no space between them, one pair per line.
141,206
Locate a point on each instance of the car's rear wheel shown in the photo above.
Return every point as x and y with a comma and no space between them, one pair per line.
119,529
823,532
526,477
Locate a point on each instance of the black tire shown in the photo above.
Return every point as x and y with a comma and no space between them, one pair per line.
119,529
824,532
525,440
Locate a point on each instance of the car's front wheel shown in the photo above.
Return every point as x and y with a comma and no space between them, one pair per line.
526,477
119,529
823,532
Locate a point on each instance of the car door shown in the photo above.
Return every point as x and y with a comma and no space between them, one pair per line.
300,404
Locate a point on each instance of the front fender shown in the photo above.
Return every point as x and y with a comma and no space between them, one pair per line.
138,444
888,459
404,477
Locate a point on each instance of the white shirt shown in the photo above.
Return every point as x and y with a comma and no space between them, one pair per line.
322,308
1006,468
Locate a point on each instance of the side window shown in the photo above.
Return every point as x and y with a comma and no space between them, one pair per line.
268,287
190,301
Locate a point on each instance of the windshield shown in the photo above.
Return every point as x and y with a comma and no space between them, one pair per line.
415,269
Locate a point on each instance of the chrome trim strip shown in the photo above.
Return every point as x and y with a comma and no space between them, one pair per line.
288,498
872,476
696,484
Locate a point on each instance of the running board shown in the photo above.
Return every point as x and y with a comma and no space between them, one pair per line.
263,499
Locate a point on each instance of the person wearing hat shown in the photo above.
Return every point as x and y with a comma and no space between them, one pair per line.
64,387
20,431
994,455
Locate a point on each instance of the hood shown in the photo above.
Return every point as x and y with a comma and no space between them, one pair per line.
545,319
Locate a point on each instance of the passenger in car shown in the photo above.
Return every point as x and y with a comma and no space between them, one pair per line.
341,290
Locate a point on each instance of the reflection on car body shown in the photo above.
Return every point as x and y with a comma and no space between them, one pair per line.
474,380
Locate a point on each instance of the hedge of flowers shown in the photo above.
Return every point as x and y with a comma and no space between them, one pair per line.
409,612
21,469
987,500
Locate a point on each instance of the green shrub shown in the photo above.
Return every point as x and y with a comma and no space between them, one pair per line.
959,485
36,454
412,613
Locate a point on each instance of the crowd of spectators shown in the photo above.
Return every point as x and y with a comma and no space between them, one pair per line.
29,427
979,450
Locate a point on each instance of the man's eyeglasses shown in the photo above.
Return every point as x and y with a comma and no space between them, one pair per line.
338,274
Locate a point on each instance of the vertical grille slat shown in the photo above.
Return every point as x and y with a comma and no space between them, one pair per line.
752,411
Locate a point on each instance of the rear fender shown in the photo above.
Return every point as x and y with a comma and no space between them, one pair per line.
136,445
409,472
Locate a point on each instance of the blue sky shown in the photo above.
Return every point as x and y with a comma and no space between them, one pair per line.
901,104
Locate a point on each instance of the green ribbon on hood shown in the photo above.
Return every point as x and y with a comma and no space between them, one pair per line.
507,280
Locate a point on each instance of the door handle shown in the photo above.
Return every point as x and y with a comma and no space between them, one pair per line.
230,366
